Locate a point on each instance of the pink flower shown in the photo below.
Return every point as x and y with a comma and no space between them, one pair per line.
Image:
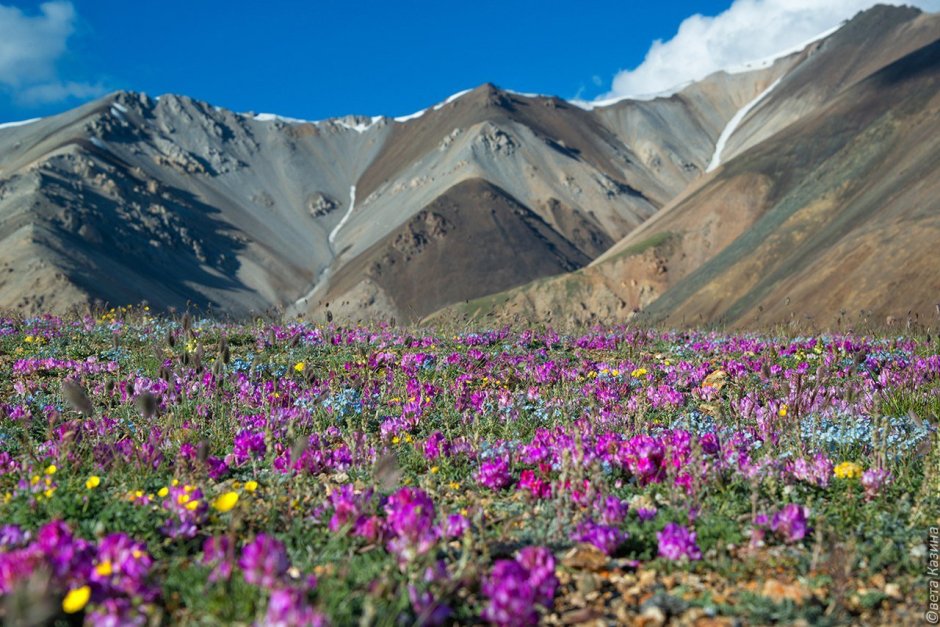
676,542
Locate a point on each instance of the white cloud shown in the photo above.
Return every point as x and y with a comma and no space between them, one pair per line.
748,30
30,46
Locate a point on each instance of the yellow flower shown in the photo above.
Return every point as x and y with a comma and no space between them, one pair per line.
104,569
192,506
48,492
434,470
50,469
847,470
226,502
93,482
175,482
299,366
76,599
639,372
163,491
396,440
783,411
251,486
182,498
454,485
34,480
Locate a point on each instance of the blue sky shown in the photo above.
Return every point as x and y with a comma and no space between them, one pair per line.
315,60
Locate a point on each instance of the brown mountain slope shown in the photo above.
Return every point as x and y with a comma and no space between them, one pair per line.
173,200
471,240
837,212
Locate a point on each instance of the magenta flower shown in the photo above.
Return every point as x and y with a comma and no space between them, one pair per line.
644,457
494,474
676,542
288,607
410,519
264,561
606,538
540,562
874,480
515,587
511,595
646,513
249,445
455,526
428,610
12,536
435,446
537,487
790,523
188,510
612,510
122,565
216,552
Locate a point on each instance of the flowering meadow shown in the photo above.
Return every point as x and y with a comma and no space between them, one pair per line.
158,470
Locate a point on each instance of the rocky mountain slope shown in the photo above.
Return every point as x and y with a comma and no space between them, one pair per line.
788,181
828,212
171,200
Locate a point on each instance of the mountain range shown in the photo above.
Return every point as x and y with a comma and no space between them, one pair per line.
805,185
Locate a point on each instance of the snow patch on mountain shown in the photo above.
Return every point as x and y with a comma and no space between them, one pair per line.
272,117
20,123
733,123
446,101
352,205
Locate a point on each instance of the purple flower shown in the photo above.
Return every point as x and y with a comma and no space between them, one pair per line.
456,525
216,467
646,513
248,445
514,587
604,537
347,506
264,561
790,523
537,487
410,514
612,510
122,565
16,566
116,612
643,456
494,474
187,510
64,553
11,536
709,444
874,480
289,608
676,542
435,446
216,552
540,563
511,595
428,610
